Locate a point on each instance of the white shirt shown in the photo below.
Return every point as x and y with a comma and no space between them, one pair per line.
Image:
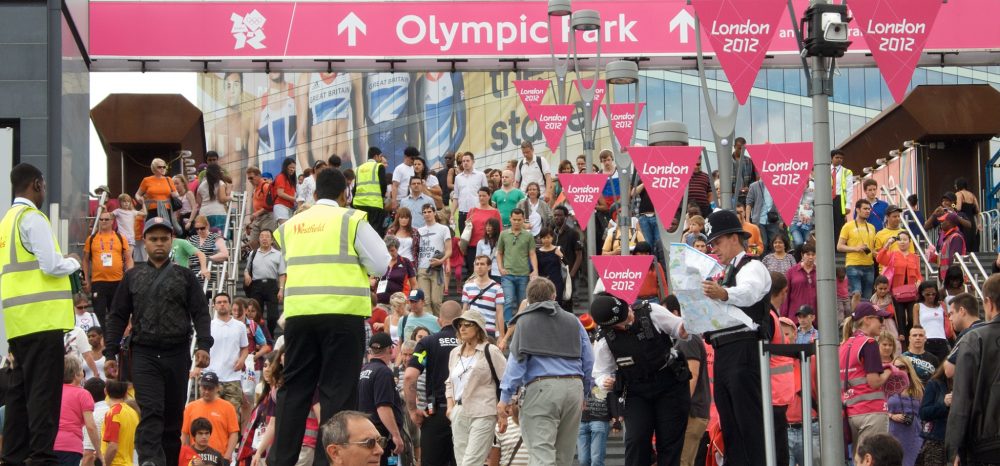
100,409
467,189
370,246
753,282
305,191
36,236
848,185
528,172
604,361
75,343
230,337
432,241
402,174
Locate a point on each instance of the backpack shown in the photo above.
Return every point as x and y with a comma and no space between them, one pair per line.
271,193
520,173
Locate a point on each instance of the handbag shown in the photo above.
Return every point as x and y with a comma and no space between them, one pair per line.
905,293
567,292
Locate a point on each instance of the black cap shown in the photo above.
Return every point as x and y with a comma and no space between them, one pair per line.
805,310
721,223
380,341
209,379
157,222
892,209
608,310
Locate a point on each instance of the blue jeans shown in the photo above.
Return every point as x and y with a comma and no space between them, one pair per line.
861,279
796,447
800,233
592,443
651,232
515,289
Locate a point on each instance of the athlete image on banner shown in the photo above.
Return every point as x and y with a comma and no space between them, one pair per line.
275,137
332,105
442,108
389,101
230,134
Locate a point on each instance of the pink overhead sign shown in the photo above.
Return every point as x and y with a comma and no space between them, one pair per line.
665,172
622,275
553,121
532,93
740,32
896,32
621,118
784,169
444,29
582,191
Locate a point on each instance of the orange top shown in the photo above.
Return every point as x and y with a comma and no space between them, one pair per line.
755,245
220,413
281,182
155,189
260,196
906,266
106,248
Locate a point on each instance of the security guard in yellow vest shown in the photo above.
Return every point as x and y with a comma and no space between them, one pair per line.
37,302
843,190
370,188
330,252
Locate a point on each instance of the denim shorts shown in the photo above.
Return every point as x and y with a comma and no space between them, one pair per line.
861,279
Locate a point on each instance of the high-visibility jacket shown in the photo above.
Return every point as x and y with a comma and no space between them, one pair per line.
325,275
32,300
859,397
782,370
842,189
369,190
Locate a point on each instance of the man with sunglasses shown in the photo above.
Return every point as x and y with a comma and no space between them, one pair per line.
350,439
106,257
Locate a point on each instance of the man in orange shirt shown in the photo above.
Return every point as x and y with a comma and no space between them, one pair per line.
222,415
755,246
106,257
262,217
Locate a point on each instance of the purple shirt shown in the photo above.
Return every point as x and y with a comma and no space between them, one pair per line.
801,290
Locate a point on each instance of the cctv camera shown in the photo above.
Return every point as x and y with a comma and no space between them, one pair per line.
834,27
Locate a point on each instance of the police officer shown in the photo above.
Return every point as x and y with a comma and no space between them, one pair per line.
329,254
38,309
432,353
369,189
651,375
746,285
377,395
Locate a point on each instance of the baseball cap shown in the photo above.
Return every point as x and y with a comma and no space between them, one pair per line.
805,310
951,217
588,322
157,222
866,309
380,341
416,295
892,209
209,379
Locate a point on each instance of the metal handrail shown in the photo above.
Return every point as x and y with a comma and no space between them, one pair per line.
929,268
979,265
239,219
960,259
989,220
101,200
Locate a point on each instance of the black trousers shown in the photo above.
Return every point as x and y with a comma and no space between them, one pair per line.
738,400
266,293
660,406
838,217
376,218
324,352
33,399
103,293
436,447
781,435
904,317
160,378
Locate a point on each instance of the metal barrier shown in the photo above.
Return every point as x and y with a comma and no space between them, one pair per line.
237,218
969,275
989,236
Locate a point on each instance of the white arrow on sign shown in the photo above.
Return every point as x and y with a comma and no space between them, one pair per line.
352,24
685,21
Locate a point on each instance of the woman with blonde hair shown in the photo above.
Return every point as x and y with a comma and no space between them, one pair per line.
156,190
397,310
188,204
904,412
473,390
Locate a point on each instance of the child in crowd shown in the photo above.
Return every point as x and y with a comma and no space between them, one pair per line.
120,422
199,453
882,299
843,295
130,222
696,224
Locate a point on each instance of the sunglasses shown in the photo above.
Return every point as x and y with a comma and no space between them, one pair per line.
82,306
200,228
105,219
467,324
160,166
370,443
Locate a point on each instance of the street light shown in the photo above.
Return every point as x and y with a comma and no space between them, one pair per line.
586,20
624,72
560,8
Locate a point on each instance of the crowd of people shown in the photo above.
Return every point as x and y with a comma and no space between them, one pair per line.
409,317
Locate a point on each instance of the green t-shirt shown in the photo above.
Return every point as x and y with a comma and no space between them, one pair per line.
516,250
506,202
182,250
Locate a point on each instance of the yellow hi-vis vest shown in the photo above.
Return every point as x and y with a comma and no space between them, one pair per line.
325,275
32,300
369,191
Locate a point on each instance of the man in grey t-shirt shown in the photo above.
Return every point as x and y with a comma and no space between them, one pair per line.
264,278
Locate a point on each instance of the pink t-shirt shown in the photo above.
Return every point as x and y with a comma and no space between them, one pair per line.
478,217
75,402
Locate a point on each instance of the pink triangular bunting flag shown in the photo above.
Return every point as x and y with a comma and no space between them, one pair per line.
784,169
665,172
622,275
532,93
622,119
552,121
582,191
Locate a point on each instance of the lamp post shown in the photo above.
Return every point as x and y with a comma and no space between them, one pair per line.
580,21
624,72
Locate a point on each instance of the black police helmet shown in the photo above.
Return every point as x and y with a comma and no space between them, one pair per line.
608,310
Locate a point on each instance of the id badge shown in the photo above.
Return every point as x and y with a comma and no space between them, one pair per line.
106,259
382,284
